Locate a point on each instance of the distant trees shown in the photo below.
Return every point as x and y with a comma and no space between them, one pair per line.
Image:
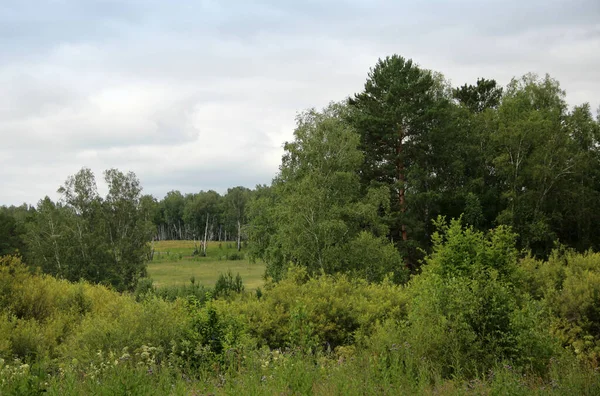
171,222
236,201
202,216
10,241
84,236
107,239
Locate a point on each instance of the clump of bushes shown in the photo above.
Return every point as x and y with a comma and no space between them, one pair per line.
146,289
331,310
235,256
569,284
477,319
464,314
227,285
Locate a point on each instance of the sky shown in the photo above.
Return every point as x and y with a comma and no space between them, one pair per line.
197,95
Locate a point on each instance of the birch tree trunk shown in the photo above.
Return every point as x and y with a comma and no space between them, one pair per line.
205,235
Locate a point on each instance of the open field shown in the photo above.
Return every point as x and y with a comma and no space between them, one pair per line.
175,264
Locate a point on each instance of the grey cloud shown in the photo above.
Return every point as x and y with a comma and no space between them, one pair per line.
202,94
218,178
27,95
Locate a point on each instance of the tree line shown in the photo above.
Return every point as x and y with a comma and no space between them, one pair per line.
359,187
206,215
109,239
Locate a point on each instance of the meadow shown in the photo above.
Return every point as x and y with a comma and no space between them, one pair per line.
175,264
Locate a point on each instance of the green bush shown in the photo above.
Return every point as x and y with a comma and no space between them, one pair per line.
335,310
235,256
118,322
372,258
570,284
478,321
227,285
464,314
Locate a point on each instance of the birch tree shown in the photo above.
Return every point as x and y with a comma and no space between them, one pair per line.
319,210
235,208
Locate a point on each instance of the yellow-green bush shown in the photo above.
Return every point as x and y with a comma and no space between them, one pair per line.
328,310
118,321
570,284
47,317
483,322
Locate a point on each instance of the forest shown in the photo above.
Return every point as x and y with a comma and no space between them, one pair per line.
418,238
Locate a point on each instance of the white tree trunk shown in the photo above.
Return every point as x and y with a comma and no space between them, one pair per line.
205,235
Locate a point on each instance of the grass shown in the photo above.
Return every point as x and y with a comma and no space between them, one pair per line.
175,264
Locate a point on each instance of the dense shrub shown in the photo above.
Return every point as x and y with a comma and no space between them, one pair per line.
50,318
464,315
373,258
329,310
478,321
146,290
570,284
227,285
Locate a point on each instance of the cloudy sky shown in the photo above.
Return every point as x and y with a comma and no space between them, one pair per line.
197,95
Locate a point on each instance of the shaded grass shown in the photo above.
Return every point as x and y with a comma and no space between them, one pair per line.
174,264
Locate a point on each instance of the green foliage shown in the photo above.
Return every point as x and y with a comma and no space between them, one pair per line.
236,201
328,311
10,237
373,258
331,334
477,98
465,316
315,214
473,214
227,285
87,237
146,290
235,256
570,283
459,251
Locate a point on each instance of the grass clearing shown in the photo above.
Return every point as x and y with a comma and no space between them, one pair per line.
175,264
